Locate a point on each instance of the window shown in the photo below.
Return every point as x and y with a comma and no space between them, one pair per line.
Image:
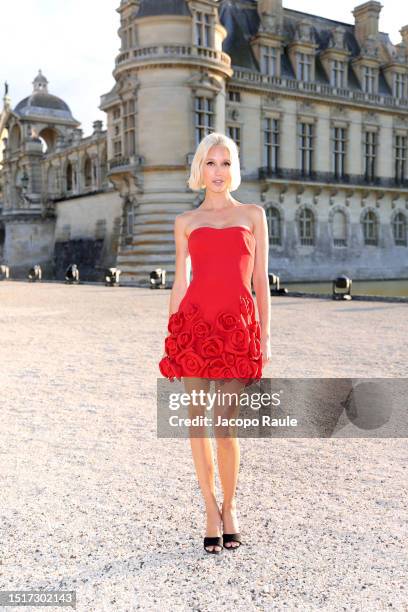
234,132
117,148
234,96
339,227
130,37
127,34
306,227
339,151
370,228
304,66
370,150
88,172
400,158
204,117
203,29
271,143
399,229
273,219
68,176
75,179
129,126
337,73
306,148
269,60
400,85
368,79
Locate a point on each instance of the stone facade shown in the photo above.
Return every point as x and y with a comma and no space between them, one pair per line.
318,108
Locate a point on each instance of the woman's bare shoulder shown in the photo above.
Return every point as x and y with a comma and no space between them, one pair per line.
183,220
256,213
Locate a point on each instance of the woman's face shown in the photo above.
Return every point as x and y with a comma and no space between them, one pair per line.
216,170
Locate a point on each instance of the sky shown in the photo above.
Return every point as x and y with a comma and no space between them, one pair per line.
75,42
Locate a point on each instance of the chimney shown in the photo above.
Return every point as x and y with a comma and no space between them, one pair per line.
97,127
366,18
404,34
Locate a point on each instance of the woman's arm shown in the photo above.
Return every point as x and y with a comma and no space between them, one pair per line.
261,279
182,265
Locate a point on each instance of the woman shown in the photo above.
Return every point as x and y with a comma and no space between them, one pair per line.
214,332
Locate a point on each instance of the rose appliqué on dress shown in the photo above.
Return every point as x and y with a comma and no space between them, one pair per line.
228,347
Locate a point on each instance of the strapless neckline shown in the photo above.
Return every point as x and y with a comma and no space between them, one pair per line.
227,227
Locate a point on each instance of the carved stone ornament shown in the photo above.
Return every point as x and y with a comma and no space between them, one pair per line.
337,40
400,53
304,31
270,23
204,81
305,107
271,101
370,47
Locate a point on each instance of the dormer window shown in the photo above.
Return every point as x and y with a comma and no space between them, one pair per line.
203,36
366,68
335,59
269,60
304,66
399,89
368,83
302,52
337,76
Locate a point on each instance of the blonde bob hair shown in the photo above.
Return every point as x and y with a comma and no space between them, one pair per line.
195,181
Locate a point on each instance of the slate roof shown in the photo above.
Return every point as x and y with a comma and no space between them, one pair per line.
44,105
42,100
241,20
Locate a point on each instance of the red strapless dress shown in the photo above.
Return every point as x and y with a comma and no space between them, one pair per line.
215,332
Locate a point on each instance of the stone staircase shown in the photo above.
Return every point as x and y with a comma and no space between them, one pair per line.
152,247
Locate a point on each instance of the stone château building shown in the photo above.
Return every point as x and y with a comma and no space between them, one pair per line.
318,108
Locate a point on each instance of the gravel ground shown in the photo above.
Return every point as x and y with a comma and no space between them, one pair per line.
92,501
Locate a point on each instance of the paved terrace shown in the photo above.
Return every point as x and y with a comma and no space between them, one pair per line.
93,501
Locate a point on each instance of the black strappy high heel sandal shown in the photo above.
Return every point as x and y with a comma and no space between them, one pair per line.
231,537
213,541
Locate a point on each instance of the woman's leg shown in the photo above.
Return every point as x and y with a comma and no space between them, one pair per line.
228,451
202,452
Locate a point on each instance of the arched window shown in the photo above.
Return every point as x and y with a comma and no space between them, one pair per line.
48,138
273,218
339,228
399,229
15,138
370,228
306,227
68,176
88,172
